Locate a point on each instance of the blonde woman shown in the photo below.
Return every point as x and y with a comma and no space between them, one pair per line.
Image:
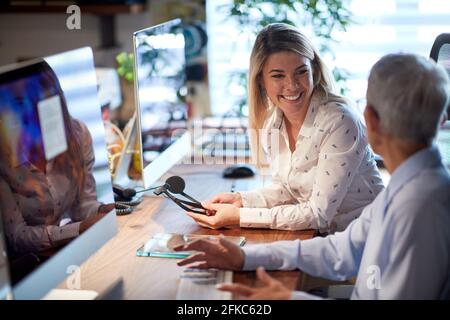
323,171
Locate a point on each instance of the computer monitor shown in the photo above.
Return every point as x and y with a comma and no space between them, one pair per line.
160,84
54,175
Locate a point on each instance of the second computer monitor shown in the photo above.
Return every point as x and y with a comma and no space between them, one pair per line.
161,91
56,200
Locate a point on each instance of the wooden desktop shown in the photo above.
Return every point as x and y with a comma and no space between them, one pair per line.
116,265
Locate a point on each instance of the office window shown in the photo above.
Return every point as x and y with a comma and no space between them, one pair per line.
404,25
228,54
382,26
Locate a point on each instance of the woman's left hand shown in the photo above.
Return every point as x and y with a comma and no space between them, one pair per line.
225,215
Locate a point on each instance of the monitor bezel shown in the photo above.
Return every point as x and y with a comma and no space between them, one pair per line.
177,150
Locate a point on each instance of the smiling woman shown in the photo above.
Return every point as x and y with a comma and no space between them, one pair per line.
323,171
288,82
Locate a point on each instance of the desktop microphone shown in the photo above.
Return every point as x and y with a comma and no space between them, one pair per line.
148,189
176,185
129,193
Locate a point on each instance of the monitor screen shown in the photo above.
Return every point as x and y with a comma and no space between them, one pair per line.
161,91
56,200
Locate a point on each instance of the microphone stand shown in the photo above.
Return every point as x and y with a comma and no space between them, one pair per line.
184,204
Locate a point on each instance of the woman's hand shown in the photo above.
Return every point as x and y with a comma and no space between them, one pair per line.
227,197
219,253
224,215
271,290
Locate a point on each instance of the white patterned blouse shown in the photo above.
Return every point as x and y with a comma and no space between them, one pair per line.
328,179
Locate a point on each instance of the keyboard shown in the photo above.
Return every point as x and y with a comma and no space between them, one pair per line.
200,284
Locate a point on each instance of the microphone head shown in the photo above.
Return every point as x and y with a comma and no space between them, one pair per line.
175,184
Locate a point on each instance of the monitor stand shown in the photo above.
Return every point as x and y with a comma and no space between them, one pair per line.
67,294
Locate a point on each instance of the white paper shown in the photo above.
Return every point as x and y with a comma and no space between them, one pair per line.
52,127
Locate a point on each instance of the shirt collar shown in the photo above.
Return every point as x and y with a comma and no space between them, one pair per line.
425,158
278,119
307,128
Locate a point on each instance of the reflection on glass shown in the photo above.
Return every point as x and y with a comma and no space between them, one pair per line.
160,66
48,193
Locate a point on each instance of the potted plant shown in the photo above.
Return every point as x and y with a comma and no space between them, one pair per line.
125,69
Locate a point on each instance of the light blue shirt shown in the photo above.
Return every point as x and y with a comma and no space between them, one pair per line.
399,248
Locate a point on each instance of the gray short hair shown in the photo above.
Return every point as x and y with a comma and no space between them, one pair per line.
409,93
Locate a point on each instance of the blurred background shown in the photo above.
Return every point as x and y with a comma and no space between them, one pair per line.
219,34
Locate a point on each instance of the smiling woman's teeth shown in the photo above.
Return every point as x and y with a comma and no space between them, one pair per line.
292,97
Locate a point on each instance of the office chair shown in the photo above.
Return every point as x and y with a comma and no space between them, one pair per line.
440,52
439,42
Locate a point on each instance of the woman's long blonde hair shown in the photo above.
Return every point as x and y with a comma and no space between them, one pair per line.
271,39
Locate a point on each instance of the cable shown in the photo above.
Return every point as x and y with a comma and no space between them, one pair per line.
132,203
126,207
126,194
122,209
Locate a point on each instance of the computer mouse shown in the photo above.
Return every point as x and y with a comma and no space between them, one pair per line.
238,171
